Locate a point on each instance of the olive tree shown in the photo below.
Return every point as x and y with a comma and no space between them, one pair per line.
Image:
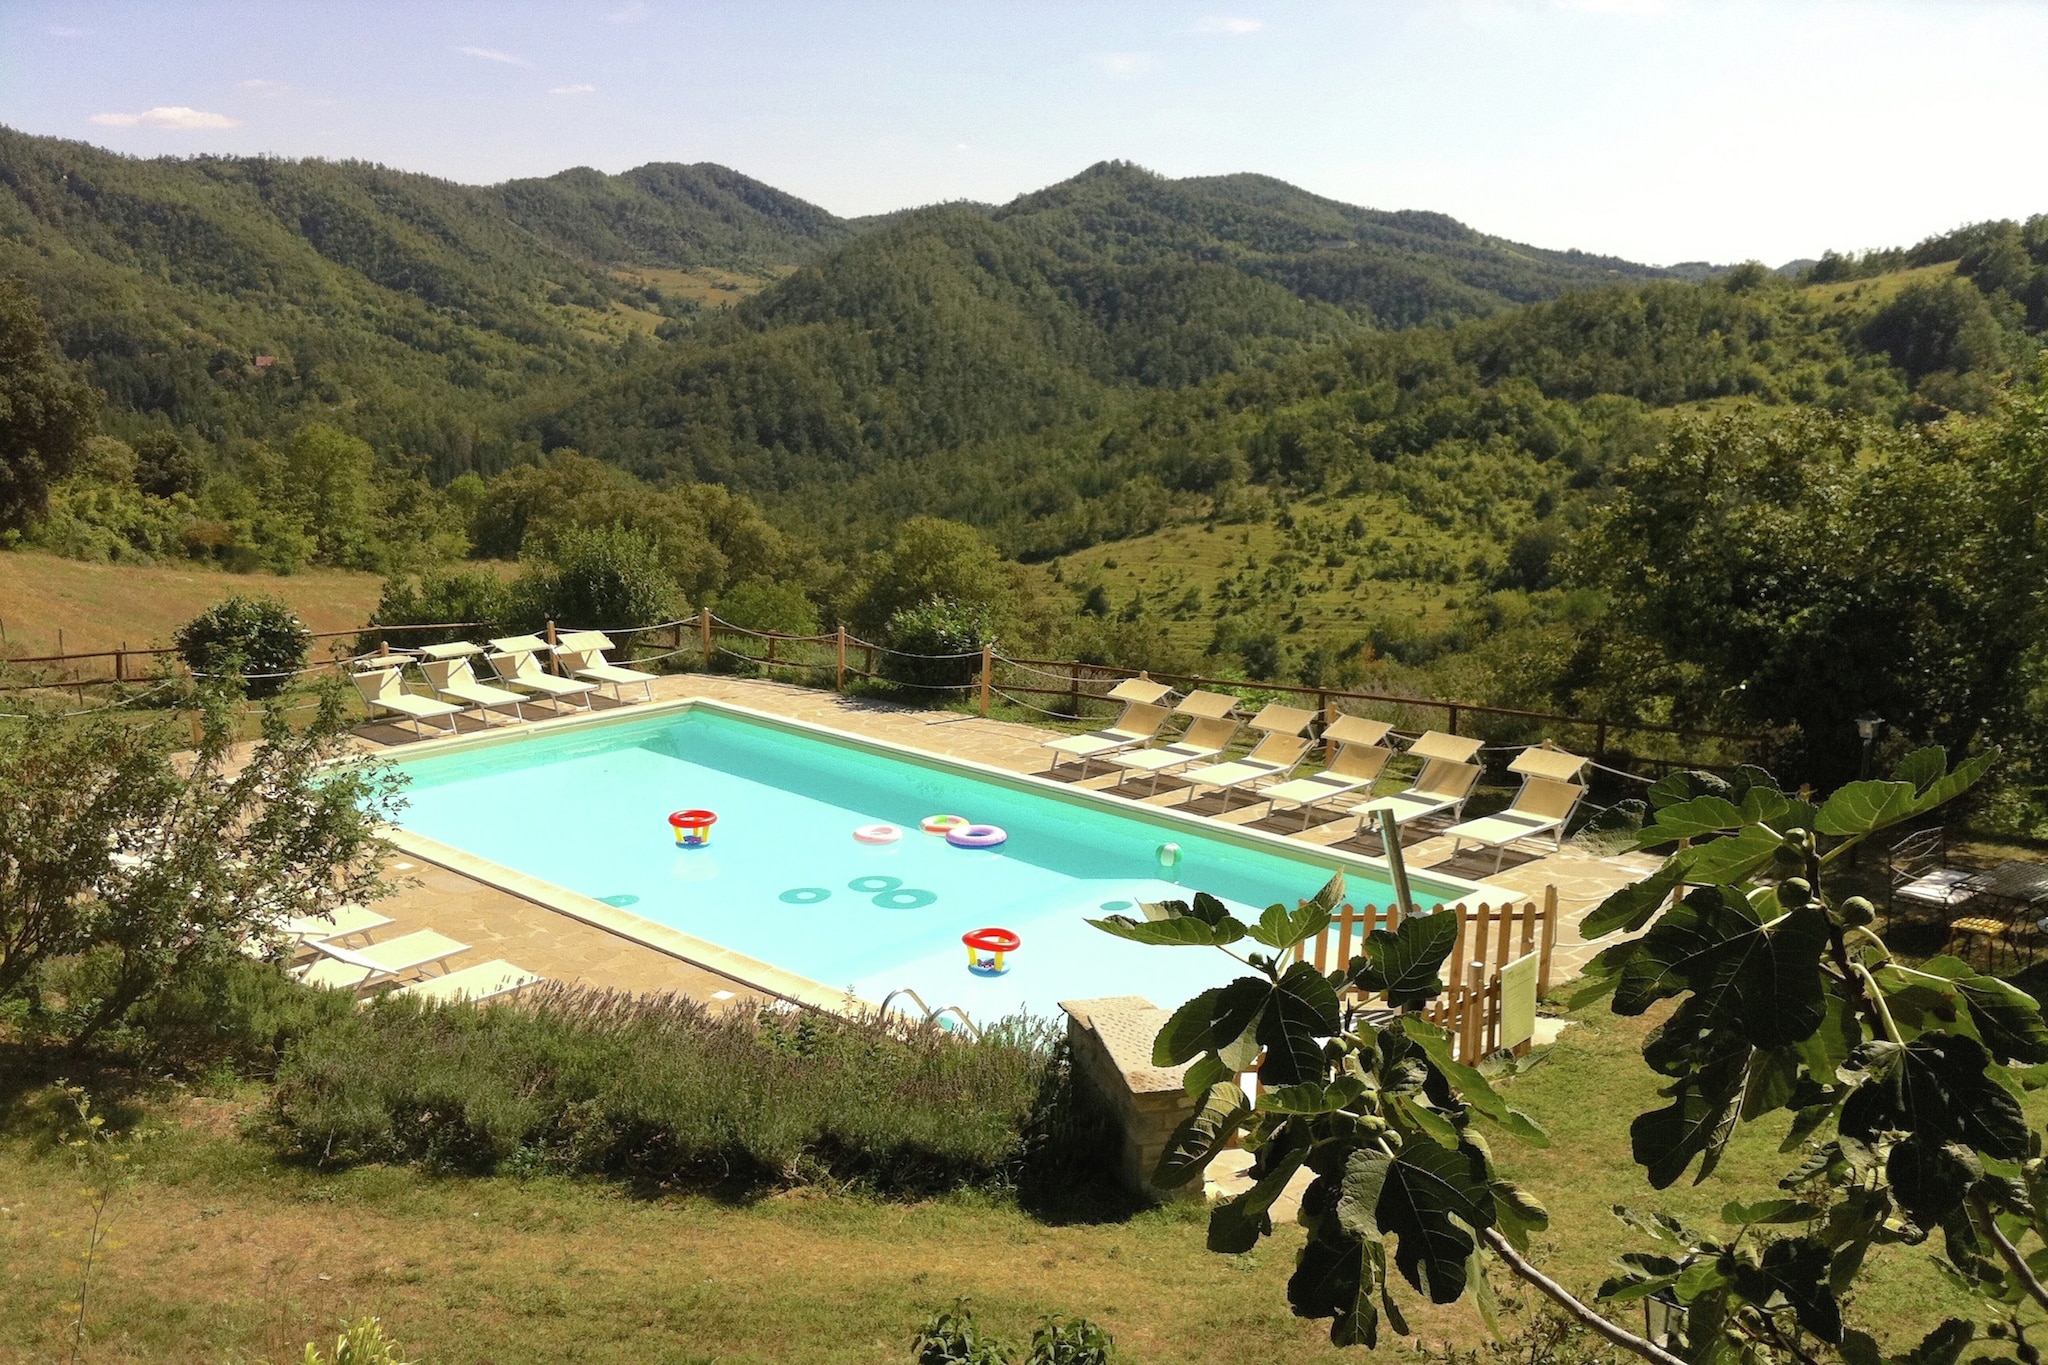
1901,1085
126,864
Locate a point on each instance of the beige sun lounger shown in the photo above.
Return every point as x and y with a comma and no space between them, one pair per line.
1360,759
1139,724
517,664
455,680
1210,731
1443,785
347,922
1550,793
484,981
581,653
355,968
382,691
1283,743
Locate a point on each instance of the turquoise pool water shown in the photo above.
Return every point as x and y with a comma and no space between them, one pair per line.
784,881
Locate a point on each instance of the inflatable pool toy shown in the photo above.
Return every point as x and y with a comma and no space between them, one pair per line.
986,949
693,827
804,895
941,824
977,836
878,834
1169,856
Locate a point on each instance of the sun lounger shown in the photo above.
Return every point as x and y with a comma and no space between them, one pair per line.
1138,725
453,678
382,691
517,664
1443,785
1283,743
1210,731
484,981
1360,759
354,968
581,652
1550,793
347,922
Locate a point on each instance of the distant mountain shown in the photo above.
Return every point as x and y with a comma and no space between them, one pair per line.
236,296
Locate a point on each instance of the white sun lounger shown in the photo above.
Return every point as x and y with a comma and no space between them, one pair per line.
383,692
354,968
454,680
517,664
1282,745
1550,793
581,652
1210,731
1139,724
1442,787
1360,759
484,981
347,922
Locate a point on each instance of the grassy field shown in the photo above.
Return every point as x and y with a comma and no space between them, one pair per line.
222,1252
1315,580
103,606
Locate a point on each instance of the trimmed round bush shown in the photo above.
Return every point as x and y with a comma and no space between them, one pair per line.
259,639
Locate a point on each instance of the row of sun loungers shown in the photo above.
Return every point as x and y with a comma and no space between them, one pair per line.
335,962
517,678
1550,791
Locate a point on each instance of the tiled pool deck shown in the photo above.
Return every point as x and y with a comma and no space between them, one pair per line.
496,923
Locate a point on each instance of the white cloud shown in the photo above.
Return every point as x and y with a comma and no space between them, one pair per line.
176,116
1124,64
491,54
1237,28
573,90
961,147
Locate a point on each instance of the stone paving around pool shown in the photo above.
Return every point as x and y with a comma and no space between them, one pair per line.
498,924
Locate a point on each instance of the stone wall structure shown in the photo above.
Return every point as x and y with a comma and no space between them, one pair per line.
1111,1041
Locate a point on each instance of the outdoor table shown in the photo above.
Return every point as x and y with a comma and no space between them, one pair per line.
2019,884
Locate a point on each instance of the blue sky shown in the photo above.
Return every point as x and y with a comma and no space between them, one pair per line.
1661,130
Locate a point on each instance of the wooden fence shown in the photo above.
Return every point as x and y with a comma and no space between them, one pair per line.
1071,686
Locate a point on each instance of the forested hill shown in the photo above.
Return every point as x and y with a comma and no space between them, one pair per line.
234,297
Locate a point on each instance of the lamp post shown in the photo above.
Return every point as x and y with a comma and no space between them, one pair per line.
1869,726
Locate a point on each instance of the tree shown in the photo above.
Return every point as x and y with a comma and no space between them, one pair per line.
126,868
1786,1001
604,578
928,558
46,412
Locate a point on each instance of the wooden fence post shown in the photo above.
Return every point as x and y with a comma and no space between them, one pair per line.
1328,712
988,668
1451,726
840,656
554,664
1074,690
704,633
1549,940
121,663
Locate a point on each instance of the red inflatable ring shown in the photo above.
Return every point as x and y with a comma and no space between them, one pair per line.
693,827
992,940
941,824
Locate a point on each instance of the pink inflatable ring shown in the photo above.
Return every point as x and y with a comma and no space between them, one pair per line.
977,836
878,834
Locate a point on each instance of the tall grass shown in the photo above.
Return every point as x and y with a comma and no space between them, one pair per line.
659,1089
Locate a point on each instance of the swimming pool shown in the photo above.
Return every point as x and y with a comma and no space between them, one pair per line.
783,888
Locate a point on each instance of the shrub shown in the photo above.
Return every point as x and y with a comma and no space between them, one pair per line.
468,595
597,578
759,604
657,1088
951,1337
938,644
258,638
361,1342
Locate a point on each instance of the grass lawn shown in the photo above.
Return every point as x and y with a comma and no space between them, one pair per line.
102,606
221,1252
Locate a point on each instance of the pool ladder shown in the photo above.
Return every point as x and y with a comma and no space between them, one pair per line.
931,1016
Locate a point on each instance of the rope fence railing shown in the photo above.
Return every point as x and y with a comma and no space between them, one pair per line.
1066,691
